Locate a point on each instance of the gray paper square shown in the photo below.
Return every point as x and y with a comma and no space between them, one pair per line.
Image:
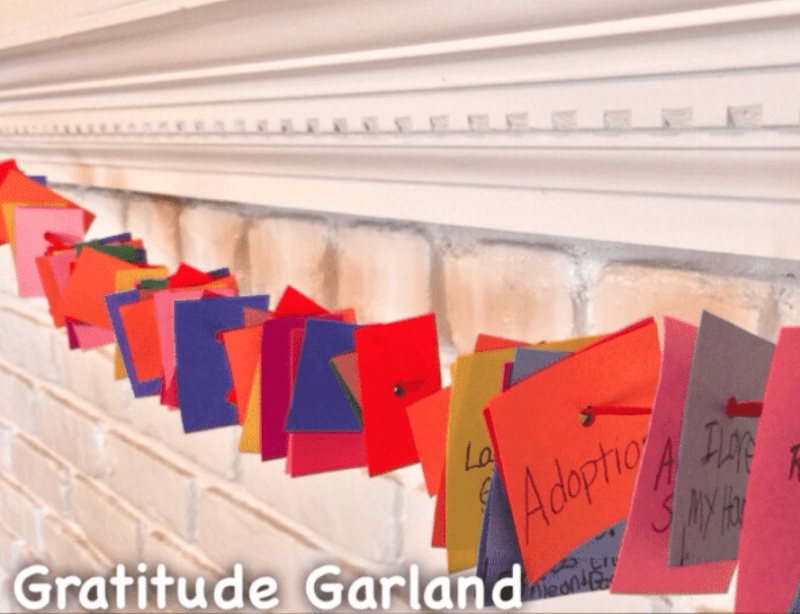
714,454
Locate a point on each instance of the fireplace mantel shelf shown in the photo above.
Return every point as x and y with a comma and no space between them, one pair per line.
678,127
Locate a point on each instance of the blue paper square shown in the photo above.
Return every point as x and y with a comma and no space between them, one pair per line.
201,368
113,303
318,401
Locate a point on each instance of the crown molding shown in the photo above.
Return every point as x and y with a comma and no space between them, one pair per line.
679,127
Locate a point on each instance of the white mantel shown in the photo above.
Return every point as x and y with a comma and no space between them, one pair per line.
670,122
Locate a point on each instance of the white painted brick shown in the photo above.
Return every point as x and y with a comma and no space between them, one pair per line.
31,307
108,206
230,531
154,219
417,521
384,274
16,399
7,603
8,273
705,603
448,354
212,237
72,430
111,525
509,291
25,557
233,530
788,305
15,554
625,293
290,251
6,431
9,545
158,486
66,550
409,477
90,376
215,449
70,191
41,472
346,508
27,342
21,511
179,558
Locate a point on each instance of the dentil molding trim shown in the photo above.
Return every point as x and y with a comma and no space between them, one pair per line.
676,124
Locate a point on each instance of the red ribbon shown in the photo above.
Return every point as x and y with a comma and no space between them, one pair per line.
748,409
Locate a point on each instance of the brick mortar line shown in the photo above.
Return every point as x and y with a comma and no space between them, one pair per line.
148,451
72,473
110,498
75,531
259,513
34,316
147,526
37,506
163,536
205,480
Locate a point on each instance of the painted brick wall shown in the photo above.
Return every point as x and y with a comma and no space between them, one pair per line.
92,478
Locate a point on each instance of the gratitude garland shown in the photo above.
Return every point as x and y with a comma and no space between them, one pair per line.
598,463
